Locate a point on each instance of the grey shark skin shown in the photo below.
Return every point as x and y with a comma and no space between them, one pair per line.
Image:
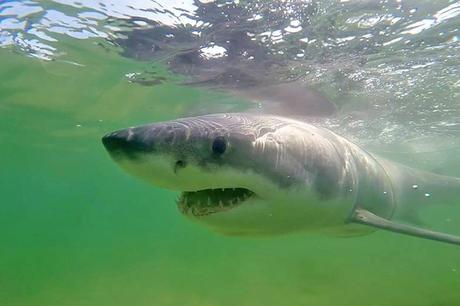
248,174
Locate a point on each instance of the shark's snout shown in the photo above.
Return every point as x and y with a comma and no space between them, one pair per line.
128,141
114,141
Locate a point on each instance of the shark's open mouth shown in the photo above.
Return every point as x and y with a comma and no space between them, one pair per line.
209,201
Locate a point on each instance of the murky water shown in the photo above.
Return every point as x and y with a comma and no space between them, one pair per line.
75,230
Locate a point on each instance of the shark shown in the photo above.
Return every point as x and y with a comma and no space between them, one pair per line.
249,174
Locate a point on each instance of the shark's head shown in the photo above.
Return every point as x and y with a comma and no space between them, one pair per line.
240,174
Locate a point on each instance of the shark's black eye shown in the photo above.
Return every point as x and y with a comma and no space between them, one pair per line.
219,145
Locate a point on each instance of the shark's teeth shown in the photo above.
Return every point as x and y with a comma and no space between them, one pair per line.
209,201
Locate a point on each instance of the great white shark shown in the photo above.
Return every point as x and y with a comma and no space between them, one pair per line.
252,174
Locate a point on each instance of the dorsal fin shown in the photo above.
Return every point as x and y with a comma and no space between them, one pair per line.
289,99
366,217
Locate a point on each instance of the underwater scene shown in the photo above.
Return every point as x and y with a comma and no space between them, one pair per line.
379,81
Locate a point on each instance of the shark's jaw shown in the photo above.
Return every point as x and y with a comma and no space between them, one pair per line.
203,194
210,201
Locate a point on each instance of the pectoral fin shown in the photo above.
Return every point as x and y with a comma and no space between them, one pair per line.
365,217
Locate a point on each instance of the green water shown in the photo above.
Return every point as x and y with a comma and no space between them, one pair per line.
76,230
